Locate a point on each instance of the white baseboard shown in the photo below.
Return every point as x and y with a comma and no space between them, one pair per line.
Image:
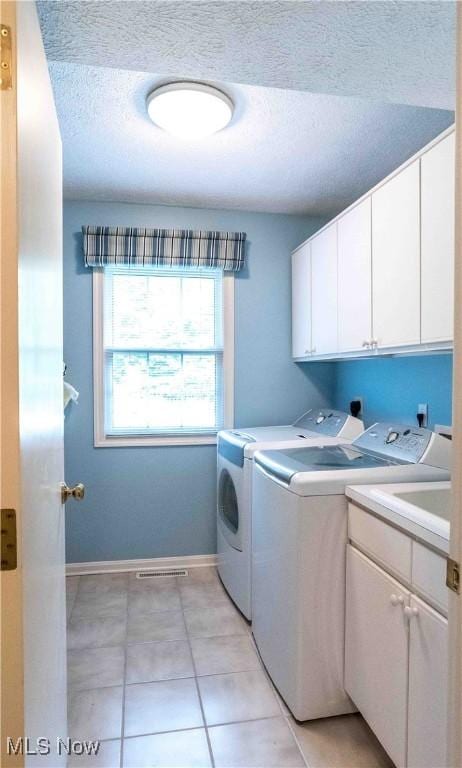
155,563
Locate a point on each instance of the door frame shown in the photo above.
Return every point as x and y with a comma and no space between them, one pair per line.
455,544
11,633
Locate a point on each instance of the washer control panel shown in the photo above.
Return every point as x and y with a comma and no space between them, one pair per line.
395,441
324,421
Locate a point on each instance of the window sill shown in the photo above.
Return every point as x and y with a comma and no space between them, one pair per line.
140,441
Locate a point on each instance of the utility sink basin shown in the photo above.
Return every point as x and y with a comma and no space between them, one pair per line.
437,501
422,509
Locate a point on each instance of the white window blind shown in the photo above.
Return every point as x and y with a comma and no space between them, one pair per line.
163,351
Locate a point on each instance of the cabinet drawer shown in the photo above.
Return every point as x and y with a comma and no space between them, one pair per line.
381,541
429,575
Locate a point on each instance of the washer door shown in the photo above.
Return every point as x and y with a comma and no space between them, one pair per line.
228,510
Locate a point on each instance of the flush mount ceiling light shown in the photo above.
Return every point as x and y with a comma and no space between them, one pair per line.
189,110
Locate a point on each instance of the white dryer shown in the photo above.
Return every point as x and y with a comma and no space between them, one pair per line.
299,539
235,451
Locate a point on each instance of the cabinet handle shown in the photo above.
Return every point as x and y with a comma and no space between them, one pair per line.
410,612
396,600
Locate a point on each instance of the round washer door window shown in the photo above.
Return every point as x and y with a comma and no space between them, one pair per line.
227,502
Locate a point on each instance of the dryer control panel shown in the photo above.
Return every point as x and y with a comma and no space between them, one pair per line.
413,445
324,421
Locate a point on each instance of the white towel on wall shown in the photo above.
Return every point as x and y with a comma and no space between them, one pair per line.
69,393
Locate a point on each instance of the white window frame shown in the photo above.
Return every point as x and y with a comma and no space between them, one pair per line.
101,440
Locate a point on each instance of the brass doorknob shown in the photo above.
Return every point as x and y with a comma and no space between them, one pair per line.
77,492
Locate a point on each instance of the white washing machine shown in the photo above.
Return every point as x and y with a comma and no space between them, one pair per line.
235,451
299,542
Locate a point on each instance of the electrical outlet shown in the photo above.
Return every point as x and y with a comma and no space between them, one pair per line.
360,401
422,410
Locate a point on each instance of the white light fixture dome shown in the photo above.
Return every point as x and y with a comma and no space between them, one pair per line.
189,110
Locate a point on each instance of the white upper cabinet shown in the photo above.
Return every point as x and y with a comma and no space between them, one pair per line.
381,276
396,260
301,301
324,291
355,279
437,247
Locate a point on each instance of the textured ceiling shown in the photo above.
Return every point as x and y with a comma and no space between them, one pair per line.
402,52
285,151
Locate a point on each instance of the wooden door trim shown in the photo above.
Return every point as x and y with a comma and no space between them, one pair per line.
11,634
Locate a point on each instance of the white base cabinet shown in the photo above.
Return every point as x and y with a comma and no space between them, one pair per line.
396,664
376,651
428,691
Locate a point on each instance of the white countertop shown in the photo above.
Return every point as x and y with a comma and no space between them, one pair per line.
423,525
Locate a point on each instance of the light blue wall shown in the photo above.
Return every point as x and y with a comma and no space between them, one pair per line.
392,387
155,502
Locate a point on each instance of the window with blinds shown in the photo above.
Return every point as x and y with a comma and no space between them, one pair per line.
163,351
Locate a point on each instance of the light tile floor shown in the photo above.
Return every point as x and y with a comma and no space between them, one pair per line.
165,673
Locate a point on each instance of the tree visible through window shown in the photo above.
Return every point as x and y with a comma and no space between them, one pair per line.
163,351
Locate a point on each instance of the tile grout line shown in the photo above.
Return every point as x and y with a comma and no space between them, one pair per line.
177,639
68,618
295,738
76,690
122,723
198,727
207,736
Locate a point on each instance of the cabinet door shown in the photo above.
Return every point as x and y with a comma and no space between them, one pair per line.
324,291
428,687
376,651
396,260
437,211
301,301
355,278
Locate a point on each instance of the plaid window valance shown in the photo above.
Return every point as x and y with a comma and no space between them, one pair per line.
129,246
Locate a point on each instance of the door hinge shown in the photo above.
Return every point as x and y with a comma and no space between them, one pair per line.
9,549
453,575
6,60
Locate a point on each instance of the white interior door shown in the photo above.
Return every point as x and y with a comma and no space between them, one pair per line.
36,403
